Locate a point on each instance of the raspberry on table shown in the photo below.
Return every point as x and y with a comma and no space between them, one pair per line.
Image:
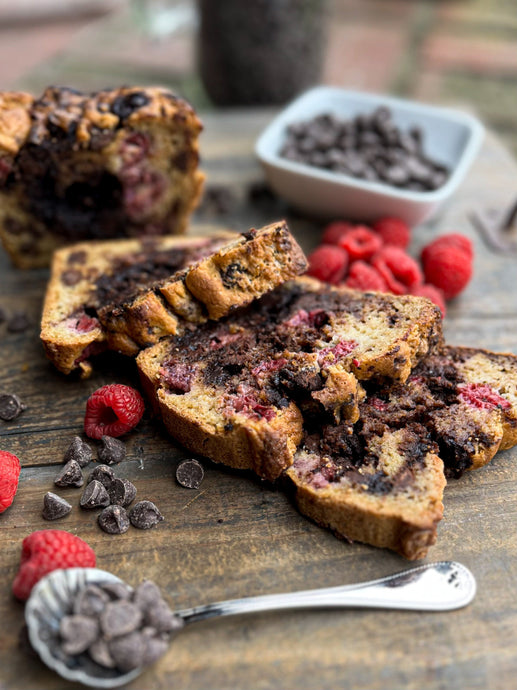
334,232
361,243
448,268
431,292
404,269
393,231
9,475
113,410
328,263
362,276
453,239
46,550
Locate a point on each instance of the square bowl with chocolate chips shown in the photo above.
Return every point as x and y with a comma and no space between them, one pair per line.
334,153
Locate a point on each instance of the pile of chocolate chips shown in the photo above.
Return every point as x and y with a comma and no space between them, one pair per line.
118,627
368,146
103,489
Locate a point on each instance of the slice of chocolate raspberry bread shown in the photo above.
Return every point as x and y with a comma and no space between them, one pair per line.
75,166
229,277
88,275
380,489
303,345
380,481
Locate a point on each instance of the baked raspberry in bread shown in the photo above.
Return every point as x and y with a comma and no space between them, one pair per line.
127,294
298,350
76,166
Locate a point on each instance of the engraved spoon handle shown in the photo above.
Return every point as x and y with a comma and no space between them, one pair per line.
441,586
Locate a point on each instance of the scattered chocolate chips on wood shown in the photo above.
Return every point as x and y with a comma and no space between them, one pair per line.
144,515
18,322
189,474
114,625
112,450
79,451
70,475
54,507
369,146
10,407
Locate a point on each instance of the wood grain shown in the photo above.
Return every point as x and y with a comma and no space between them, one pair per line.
237,536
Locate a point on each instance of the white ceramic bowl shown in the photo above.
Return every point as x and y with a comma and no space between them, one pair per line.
451,137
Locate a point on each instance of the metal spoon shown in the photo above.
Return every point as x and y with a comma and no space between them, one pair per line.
441,586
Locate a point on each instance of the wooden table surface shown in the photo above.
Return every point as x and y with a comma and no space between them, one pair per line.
237,536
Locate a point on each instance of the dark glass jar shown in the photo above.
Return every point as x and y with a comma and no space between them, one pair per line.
254,52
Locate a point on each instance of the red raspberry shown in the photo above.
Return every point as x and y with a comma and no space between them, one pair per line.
362,276
393,231
361,243
448,268
404,270
9,475
333,232
47,550
431,292
112,411
328,263
483,396
453,239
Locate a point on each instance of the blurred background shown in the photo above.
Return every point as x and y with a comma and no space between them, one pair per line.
456,52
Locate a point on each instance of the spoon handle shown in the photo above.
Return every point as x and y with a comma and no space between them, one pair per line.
439,586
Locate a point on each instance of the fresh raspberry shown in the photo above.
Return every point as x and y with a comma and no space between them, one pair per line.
403,268
453,239
431,292
47,550
448,268
362,276
361,243
328,263
333,232
483,396
393,231
112,411
9,475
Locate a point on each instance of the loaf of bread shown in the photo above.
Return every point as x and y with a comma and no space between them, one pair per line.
112,164
236,390
125,295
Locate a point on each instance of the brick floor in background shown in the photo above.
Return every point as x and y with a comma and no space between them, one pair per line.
455,51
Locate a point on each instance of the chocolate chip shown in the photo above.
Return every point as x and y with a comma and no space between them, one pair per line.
71,277
121,492
145,515
154,646
90,601
54,507
120,618
147,594
112,451
117,590
10,407
18,323
99,652
190,474
79,451
162,619
78,633
94,496
70,475
102,474
124,106
127,651
114,520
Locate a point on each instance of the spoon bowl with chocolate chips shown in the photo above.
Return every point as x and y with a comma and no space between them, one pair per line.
91,627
